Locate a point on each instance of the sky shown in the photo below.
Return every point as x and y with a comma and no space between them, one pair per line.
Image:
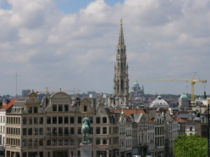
71,44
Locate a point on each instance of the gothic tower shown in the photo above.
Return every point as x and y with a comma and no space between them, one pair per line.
121,85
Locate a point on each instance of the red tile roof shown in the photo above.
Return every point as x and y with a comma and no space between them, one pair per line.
179,119
128,111
9,105
150,121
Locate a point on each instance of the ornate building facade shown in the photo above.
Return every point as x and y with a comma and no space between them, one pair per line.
51,127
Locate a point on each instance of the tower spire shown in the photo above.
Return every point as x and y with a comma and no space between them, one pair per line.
121,81
121,36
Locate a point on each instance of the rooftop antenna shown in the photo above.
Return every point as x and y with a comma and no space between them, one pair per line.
16,77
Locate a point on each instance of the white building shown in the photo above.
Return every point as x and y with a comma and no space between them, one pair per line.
3,111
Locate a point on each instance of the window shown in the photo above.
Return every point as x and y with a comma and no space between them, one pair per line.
36,142
66,131
24,131
66,107
35,131
24,120
30,131
48,131
66,120
104,120
91,130
40,154
40,131
54,142
91,120
60,108
98,130
190,128
40,120
85,108
72,131
97,120
54,120
35,120
60,131
60,120
54,107
115,130
79,131
35,109
79,120
48,142
30,120
41,142
72,120
71,142
104,141
98,141
48,120
30,110
60,142
54,131
66,142
104,130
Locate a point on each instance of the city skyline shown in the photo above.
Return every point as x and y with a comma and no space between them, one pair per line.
49,46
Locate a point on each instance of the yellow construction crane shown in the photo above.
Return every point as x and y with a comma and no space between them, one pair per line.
193,81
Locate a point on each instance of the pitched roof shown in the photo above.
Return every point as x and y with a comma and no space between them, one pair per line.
179,119
9,105
128,111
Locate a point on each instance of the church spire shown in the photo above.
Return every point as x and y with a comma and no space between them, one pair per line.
121,36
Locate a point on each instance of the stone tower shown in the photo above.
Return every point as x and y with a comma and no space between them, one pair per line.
121,85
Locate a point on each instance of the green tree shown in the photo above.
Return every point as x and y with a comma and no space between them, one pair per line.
190,146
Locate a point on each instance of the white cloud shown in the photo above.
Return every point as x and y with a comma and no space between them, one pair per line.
163,38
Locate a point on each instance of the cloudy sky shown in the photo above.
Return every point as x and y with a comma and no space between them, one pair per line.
71,44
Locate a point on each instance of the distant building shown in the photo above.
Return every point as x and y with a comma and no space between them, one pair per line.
25,92
137,91
136,94
159,103
184,102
